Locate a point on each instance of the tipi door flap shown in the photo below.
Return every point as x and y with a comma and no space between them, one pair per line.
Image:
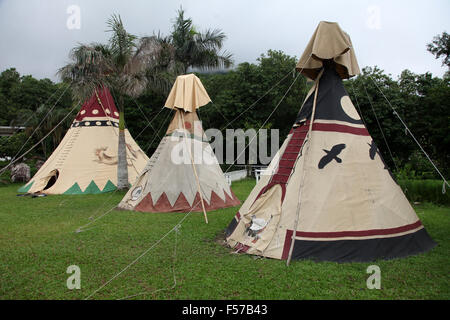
44,181
263,217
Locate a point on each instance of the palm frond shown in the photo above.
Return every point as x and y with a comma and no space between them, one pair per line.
89,68
198,49
121,43
211,39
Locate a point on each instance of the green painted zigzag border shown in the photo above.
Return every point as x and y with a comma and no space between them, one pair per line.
25,187
92,188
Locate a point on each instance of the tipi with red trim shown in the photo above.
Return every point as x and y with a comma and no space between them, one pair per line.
183,174
86,159
328,194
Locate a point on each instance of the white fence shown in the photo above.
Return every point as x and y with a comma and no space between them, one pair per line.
235,175
259,172
242,174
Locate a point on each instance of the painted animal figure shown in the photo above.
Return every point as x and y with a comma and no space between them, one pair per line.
331,155
373,150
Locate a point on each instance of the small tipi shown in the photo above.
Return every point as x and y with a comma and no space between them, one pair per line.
183,173
328,195
86,159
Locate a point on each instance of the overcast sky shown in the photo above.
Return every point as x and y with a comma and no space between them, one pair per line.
35,38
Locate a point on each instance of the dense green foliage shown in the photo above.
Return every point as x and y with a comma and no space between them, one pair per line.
245,98
267,94
422,101
440,48
425,191
22,96
26,101
38,244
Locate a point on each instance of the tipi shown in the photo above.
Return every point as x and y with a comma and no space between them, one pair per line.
183,174
86,159
328,195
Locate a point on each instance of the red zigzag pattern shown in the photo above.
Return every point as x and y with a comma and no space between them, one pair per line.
182,205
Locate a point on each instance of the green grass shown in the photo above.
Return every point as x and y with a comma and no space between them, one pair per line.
38,243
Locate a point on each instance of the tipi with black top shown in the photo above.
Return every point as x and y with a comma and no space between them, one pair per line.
328,195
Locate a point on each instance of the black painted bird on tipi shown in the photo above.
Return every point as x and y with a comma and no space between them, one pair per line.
331,155
373,150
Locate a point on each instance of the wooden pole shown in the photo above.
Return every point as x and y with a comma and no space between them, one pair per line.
304,171
193,167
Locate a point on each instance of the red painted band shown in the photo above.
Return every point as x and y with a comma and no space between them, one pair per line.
363,233
339,128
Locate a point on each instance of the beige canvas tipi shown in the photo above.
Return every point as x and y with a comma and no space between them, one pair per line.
86,159
328,195
183,174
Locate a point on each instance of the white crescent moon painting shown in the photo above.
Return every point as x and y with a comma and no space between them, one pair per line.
349,108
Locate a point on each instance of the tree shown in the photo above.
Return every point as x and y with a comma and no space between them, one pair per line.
383,126
247,96
25,101
421,100
194,49
441,47
123,66
48,121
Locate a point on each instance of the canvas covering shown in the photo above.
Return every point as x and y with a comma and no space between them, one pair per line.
328,194
329,42
169,183
187,94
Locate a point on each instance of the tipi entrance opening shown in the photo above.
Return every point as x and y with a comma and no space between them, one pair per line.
52,178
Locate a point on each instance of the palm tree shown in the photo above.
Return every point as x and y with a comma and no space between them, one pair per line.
123,65
196,49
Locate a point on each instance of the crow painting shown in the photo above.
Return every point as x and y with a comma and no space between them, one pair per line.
331,155
373,150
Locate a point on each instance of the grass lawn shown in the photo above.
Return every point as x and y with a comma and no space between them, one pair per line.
38,242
